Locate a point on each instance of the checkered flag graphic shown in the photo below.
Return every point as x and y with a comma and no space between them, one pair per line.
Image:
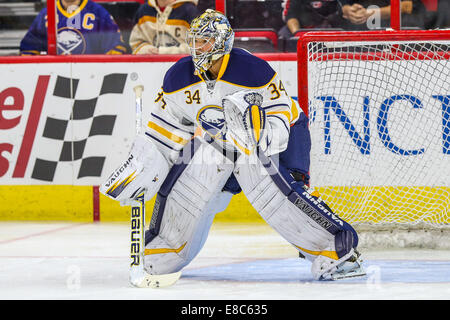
58,129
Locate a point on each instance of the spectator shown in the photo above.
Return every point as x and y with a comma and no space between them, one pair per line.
161,26
308,14
83,27
347,15
357,12
437,15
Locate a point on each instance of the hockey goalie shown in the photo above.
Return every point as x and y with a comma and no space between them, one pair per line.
224,124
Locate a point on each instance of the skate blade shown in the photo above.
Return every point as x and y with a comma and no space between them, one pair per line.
352,274
156,280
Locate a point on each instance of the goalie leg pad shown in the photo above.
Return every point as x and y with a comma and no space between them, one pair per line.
280,213
311,204
298,216
144,169
182,217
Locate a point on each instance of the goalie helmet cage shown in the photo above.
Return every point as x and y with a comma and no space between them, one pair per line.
379,114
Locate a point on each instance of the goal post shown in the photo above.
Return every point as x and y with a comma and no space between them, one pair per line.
378,104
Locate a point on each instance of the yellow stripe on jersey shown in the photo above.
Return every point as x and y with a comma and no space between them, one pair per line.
176,5
30,52
112,51
224,66
146,19
122,48
177,22
139,46
172,22
169,135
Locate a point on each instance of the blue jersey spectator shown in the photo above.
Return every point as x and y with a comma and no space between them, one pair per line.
83,27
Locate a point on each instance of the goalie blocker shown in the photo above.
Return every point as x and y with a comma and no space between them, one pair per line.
144,169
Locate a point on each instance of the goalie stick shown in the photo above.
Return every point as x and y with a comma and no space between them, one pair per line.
138,276
137,222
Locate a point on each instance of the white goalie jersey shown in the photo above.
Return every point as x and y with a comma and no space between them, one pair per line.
187,103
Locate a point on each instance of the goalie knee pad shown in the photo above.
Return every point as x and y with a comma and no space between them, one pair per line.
144,169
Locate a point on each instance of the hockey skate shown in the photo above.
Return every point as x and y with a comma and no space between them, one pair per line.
325,269
350,268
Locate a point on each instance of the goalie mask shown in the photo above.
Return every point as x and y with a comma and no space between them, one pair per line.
210,37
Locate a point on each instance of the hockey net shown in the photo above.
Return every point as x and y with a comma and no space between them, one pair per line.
379,114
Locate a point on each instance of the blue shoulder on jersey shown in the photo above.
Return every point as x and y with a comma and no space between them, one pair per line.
245,69
180,75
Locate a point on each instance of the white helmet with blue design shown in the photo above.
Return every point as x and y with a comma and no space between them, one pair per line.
210,37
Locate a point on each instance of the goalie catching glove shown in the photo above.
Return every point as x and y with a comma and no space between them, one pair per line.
245,121
144,169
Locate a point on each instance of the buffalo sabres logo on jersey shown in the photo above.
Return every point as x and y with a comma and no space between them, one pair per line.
71,41
211,119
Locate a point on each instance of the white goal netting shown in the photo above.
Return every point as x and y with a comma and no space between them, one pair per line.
379,111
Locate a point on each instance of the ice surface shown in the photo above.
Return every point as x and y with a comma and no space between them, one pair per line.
238,262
